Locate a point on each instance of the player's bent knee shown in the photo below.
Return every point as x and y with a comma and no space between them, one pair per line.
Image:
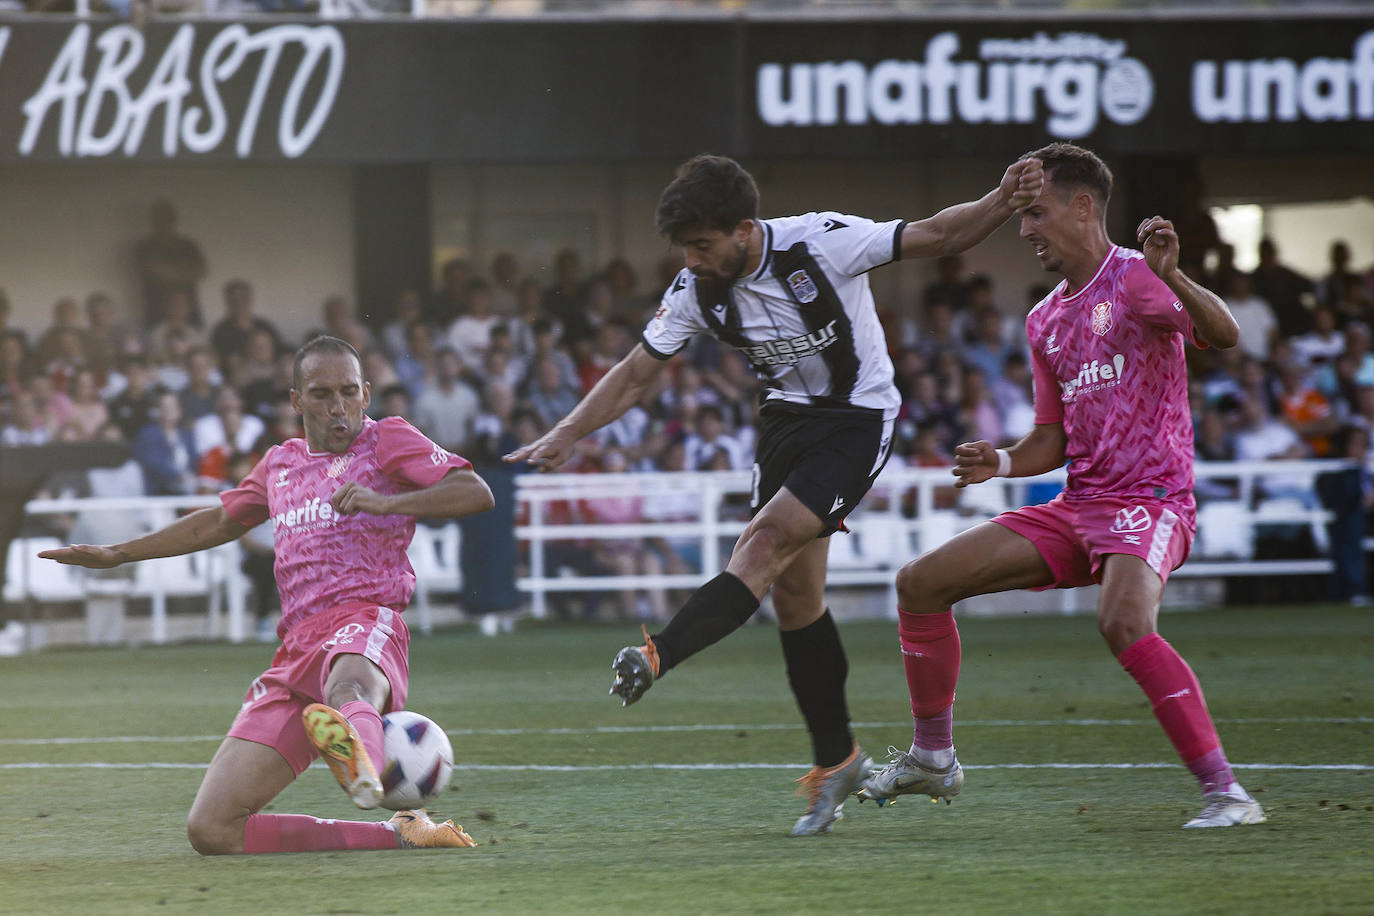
210,837
1121,632
922,586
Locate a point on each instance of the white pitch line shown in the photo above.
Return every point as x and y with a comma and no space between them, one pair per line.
769,726
620,767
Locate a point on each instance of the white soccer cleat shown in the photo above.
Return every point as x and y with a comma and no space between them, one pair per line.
1223,810
905,775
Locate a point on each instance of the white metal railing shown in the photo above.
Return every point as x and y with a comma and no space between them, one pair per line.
213,574
884,536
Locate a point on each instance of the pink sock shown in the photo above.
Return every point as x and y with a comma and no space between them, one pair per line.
368,723
1176,698
930,654
300,833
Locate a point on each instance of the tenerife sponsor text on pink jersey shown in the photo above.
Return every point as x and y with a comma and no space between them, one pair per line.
1109,365
325,560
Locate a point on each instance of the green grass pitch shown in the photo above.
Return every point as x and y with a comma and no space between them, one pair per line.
580,806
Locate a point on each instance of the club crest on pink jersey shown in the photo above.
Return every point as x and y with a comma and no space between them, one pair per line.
339,465
802,286
1132,519
1102,318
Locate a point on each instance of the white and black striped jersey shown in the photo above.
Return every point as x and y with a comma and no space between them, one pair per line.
804,319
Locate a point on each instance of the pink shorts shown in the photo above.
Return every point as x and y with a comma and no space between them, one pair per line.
271,712
1076,535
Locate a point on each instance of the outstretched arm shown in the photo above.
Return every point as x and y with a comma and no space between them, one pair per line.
1211,318
1041,450
960,227
458,493
618,391
200,530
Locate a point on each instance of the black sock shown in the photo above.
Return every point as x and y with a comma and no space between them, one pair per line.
717,609
816,669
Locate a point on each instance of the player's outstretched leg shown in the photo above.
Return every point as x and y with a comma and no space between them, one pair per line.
826,789
341,747
713,612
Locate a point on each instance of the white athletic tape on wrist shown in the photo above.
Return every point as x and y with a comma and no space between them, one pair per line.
1003,464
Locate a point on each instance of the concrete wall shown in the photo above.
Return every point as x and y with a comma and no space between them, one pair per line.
70,230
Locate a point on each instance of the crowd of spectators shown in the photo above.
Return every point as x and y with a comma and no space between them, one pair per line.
490,359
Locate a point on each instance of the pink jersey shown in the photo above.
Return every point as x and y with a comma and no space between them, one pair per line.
324,560
1109,365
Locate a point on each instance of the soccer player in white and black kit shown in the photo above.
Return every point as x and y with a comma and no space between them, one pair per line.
792,295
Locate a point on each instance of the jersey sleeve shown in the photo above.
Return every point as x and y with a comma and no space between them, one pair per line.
1156,304
1049,408
854,244
247,503
676,321
408,457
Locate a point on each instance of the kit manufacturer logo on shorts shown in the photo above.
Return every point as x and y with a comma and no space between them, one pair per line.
1130,521
1102,318
802,286
343,636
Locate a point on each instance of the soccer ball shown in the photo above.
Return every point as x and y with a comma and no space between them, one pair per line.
419,760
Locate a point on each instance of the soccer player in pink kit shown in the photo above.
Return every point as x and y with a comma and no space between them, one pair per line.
1111,396
343,503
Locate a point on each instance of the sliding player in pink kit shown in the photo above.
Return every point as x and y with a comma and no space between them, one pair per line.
1111,395
343,503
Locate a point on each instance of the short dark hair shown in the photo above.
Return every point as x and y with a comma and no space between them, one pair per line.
322,344
1068,165
711,191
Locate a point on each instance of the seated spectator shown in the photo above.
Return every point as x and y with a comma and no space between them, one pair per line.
342,322
1261,437
1258,327
505,284
25,425
395,401
258,361
986,349
550,395
54,408
612,342
178,323
710,438
67,359
939,333
106,338
166,451
470,333
202,384
417,366
950,284
261,396
1304,408
529,314
407,308
227,430
491,429
976,414
232,333
1012,394
445,411
1213,442
89,413
283,423
379,372
135,406
1323,343
65,317
451,298
14,362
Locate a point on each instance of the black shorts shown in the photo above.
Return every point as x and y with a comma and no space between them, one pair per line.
827,458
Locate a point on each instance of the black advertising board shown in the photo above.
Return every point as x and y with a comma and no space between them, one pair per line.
578,90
